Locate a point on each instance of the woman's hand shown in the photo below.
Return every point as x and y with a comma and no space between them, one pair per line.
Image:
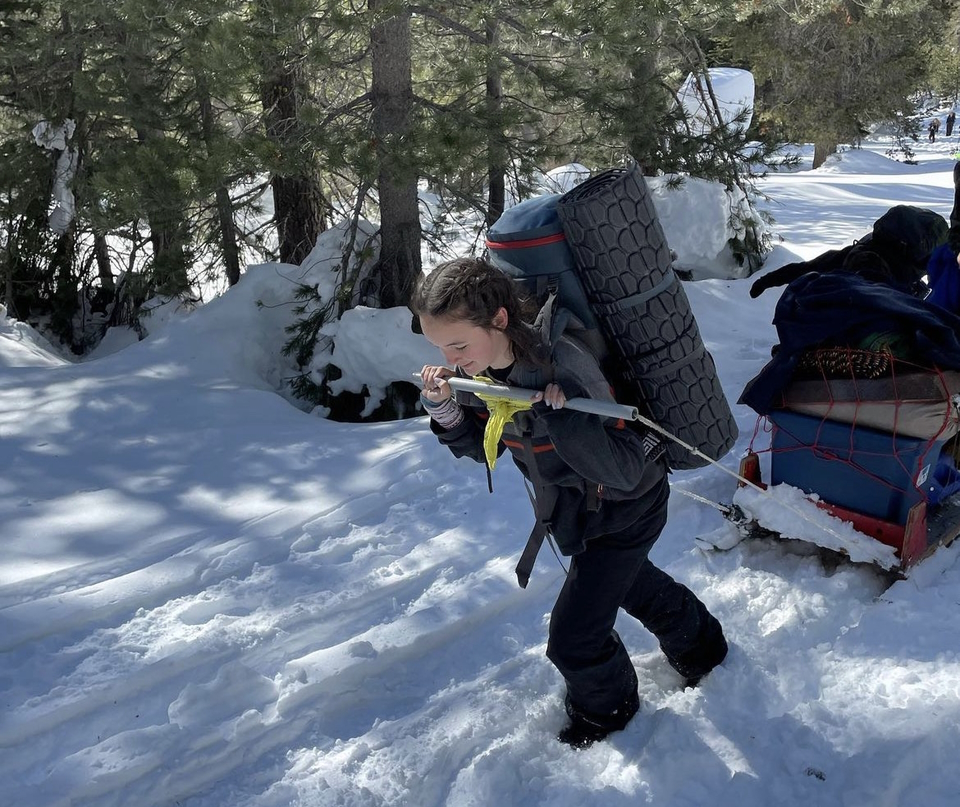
552,396
435,386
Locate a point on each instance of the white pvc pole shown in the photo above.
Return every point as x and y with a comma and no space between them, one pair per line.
602,408
607,409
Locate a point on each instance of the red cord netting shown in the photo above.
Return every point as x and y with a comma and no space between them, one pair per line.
840,385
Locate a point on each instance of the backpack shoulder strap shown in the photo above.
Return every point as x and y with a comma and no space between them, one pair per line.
545,324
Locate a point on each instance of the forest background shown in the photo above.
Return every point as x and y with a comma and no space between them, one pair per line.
157,149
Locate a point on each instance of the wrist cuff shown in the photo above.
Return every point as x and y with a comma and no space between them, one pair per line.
447,413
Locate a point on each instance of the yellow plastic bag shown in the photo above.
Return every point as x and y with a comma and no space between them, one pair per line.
501,411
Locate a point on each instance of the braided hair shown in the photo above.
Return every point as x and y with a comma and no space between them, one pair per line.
474,290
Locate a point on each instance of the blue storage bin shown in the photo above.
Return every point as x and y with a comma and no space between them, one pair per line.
871,472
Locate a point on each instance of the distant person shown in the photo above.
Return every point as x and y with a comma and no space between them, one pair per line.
951,119
933,128
605,495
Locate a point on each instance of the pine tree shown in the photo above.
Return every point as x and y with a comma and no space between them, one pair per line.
163,133
39,65
828,72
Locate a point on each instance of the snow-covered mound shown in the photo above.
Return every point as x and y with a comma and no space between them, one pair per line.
22,346
863,161
564,178
703,249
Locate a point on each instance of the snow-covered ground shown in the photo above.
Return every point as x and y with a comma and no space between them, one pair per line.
209,598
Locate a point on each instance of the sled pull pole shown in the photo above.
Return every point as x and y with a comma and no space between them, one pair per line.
616,410
606,409
693,450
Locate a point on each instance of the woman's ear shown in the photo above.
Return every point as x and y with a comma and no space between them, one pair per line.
501,319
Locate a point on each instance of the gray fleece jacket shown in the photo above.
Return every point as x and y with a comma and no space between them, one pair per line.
587,458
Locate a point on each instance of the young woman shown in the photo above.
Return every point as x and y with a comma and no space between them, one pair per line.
605,488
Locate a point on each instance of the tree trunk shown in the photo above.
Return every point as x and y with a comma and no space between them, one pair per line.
66,291
299,205
228,229
228,236
643,136
107,291
8,298
164,207
822,150
392,96
496,153
65,299
299,210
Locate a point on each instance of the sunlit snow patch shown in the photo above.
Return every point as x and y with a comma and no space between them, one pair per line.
794,514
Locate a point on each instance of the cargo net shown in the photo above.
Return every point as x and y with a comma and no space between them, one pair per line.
866,430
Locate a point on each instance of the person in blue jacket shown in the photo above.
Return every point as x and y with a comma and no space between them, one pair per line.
943,269
601,492
953,234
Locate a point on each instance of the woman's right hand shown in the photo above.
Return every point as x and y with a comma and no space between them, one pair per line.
435,386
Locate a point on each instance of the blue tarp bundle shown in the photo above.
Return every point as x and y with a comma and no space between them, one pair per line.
837,309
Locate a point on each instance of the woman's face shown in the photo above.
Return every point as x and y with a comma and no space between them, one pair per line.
469,346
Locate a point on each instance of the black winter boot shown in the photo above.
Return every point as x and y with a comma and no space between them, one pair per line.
585,729
695,664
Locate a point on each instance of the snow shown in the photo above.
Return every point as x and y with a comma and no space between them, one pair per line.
376,344
732,89
56,138
704,250
22,346
786,510
565,177
211,598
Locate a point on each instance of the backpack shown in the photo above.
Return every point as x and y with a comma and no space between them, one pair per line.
600,251
895,252
909,235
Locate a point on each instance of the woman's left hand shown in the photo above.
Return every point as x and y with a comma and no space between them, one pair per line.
552,396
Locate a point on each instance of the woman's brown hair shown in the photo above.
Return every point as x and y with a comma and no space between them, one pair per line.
472,289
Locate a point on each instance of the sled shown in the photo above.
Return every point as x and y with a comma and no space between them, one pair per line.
879,454
923,531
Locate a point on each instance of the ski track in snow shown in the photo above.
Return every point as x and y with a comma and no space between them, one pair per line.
417,591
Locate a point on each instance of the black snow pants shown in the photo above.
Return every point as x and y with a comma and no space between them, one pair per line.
613,572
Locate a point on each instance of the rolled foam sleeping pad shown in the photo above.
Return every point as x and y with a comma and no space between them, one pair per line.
624,263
